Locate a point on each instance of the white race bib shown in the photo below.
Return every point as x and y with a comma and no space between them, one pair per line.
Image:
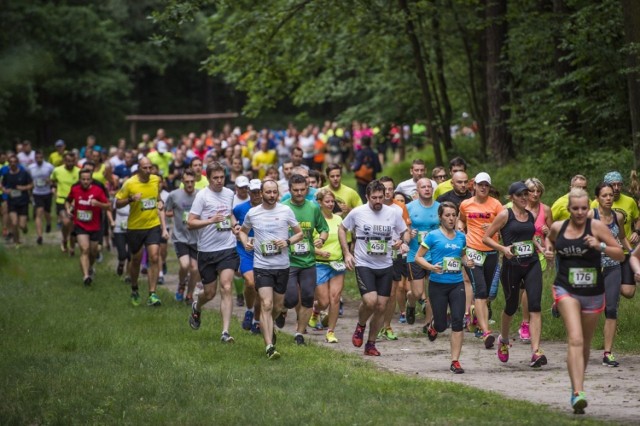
476,256
148,203
451,265
225,225
522,248
269,248
84,215
583,277
377,247
301,248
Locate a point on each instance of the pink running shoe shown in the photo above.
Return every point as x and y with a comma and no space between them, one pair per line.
525,335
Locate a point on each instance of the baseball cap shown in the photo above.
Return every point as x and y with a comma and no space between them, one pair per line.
517,188
242,181
483,177
59,143
162,147
255,184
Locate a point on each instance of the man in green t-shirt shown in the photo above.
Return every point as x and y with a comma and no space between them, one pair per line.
302,272
346,198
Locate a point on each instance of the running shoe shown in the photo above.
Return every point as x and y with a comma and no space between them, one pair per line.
432,334
299,339
240,300
153,300
331,337
456,368
478,333
255,328
226,338
247,321
272,353
135,298
120,269
523,331
313,321
87,281
538,359
194,319
554,310
160,280
358,335
503,349
403,318
609,360
370,349
411,315
39,241
180,295
389,334
324,319
280,319
578,402
488,339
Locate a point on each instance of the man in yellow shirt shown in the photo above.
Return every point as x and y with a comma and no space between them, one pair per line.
346,198
263,159
56,158
456,164
559,207
161,157
146,227
63,178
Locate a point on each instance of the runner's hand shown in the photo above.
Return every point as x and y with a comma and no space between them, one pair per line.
349,261
507,252
549,255
437,268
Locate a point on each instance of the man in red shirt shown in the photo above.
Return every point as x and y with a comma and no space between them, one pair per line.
85,203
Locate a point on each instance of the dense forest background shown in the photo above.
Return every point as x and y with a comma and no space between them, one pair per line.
555,82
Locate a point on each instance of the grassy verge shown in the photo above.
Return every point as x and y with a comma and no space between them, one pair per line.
72,355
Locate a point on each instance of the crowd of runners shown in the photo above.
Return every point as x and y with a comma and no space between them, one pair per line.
267,213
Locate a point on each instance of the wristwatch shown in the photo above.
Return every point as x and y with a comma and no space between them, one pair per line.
288,242
603,246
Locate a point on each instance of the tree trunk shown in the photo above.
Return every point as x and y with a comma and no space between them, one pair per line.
631,12
499,139
422,78
445,103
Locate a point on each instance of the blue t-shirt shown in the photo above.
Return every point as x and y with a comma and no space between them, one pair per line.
240,211
424,220
448,253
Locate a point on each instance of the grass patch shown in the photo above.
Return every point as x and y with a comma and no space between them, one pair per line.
72,355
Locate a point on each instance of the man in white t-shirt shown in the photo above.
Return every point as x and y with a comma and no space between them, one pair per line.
211,214
377,229
242,190
409,187
270,222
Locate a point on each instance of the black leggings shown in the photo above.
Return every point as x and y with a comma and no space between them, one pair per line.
451,295
512,276
482,276
120,241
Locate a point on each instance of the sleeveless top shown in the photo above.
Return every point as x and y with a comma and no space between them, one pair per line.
579,269
519,235
615,230
541,220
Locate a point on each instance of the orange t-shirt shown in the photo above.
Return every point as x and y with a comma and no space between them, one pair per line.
319,151
405,212
477,215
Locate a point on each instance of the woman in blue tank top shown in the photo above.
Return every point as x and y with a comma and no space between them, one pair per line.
578,288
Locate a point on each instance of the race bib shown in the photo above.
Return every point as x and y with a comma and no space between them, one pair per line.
15,193
451,265
84,215
338,266
476,256
40,183
583,277
377,247
123,226
225,225
422,235
269,248
301,248
185,216
148,203
522,248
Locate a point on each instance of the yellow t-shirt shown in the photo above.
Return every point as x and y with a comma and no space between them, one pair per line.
559,208
200,184
56,159
98,175
442,188
162,161
347,195
332,245
263,160
143,214
64,180
629,209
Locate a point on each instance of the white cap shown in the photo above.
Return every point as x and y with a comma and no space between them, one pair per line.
255,184
242,181
162,147
482,177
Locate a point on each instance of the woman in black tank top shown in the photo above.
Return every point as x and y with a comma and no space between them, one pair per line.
578,288
520,263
